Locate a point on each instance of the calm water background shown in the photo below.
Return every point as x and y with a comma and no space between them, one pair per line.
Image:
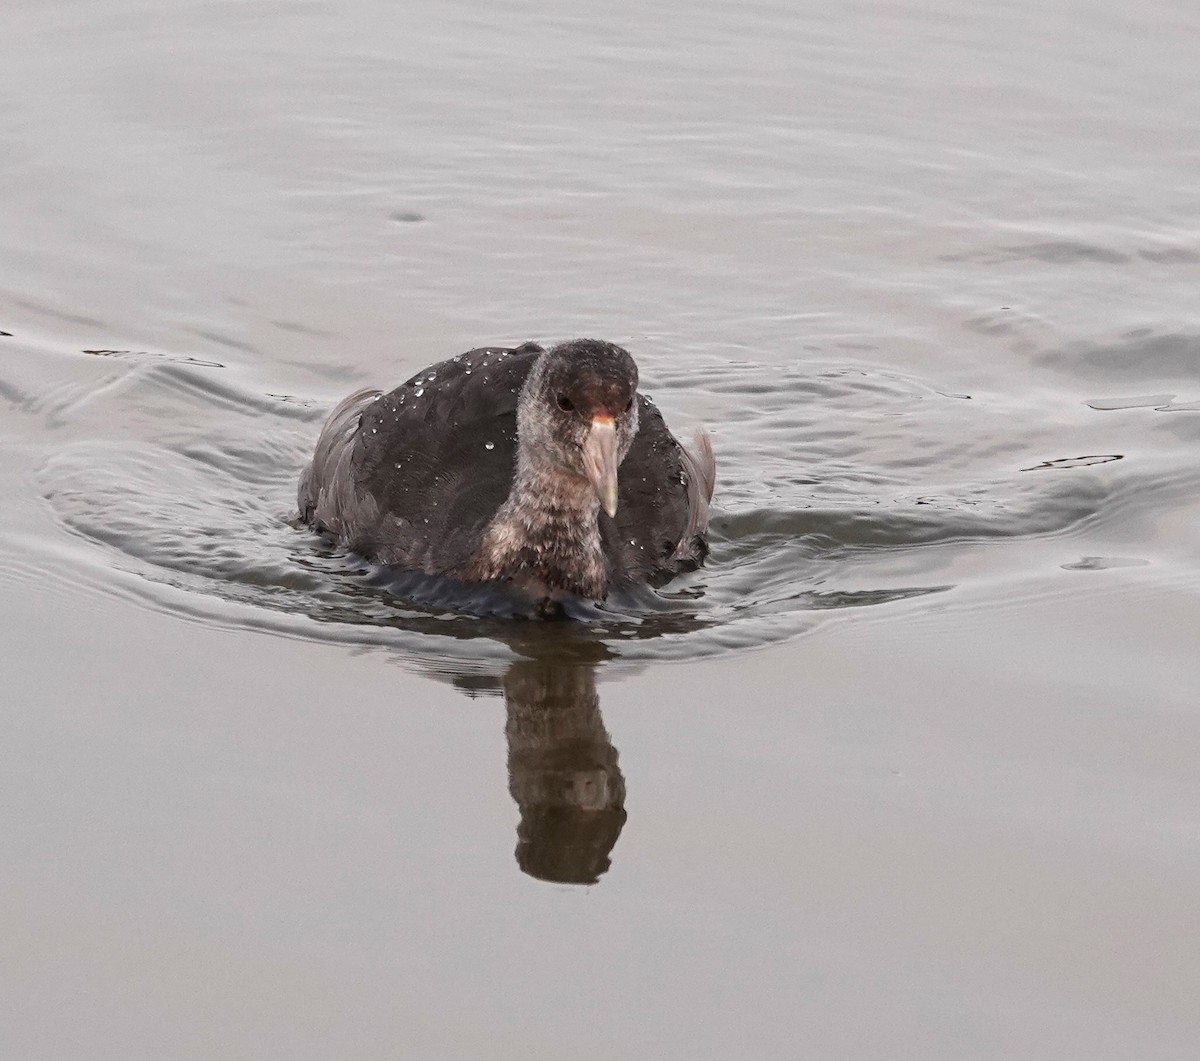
911,770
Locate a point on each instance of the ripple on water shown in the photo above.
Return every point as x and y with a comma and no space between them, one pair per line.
1104,563
1142,355
839,488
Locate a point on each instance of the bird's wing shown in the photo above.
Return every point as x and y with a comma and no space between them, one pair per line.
424,467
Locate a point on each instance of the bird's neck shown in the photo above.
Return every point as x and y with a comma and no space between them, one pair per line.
546,535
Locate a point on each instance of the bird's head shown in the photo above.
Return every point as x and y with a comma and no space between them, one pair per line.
579,410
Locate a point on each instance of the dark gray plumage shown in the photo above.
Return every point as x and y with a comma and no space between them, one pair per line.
498,465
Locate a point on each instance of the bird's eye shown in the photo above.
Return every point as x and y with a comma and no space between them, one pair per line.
565,404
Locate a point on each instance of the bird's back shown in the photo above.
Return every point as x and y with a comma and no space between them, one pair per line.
411,477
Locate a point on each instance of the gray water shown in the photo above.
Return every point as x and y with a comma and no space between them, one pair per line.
909,770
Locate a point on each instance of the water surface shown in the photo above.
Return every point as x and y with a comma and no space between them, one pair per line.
908,769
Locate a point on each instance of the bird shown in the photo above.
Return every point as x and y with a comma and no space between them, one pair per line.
539,469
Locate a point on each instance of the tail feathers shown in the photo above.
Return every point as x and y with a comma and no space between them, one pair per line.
325,495
704,462
701,468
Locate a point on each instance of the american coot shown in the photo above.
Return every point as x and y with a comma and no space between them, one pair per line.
542,469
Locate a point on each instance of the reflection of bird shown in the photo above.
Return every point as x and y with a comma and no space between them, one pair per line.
562,766
563,771
501,465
